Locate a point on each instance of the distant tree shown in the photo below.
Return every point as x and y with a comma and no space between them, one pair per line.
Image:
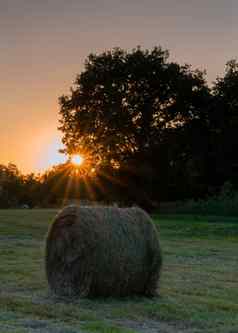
10,186
31,190
224,126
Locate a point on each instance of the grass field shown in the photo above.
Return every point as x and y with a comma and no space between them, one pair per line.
199,285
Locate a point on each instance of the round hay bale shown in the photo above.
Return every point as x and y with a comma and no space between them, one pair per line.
103,251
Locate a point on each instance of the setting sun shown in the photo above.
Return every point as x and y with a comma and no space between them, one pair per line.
77,160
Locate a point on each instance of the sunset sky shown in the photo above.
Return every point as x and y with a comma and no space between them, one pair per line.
44,44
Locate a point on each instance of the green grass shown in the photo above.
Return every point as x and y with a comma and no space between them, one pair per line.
199,284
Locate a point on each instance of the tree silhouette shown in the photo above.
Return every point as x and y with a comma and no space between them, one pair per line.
126,108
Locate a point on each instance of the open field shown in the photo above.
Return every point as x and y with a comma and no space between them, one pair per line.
199,286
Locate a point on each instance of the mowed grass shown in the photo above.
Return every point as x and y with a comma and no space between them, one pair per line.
198,292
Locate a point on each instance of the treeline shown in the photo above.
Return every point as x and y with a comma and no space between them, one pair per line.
62,184
17,190
150,130
58,185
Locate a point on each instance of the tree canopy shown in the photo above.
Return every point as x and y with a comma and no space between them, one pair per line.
124,102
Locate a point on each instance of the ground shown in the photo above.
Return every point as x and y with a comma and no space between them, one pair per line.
198,293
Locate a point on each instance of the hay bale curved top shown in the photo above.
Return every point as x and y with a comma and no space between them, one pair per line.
102,251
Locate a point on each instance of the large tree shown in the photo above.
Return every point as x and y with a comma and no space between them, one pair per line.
122,101
126,107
